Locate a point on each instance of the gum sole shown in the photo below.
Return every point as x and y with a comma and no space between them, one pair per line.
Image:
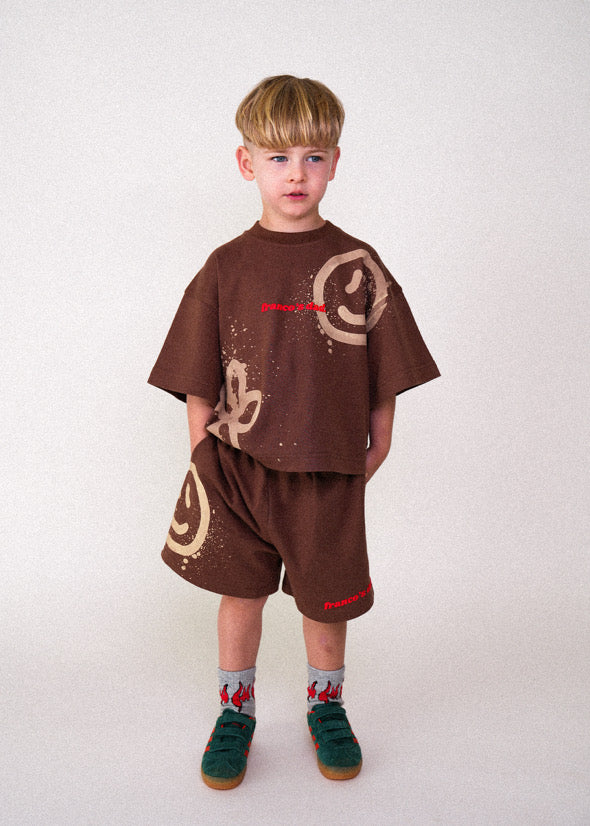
335,773
223,783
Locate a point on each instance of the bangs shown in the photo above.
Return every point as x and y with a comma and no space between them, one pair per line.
287,111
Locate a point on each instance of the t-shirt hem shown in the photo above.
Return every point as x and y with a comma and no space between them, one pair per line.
316,464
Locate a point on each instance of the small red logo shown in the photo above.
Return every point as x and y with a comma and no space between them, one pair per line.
341,603
291,308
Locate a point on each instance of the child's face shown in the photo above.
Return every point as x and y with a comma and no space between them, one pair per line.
292,182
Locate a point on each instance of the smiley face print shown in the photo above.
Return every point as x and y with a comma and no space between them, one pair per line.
182,539
367,279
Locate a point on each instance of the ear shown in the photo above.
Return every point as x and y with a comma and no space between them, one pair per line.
244,160
335,159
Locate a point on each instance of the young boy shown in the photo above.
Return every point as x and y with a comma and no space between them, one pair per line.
289,347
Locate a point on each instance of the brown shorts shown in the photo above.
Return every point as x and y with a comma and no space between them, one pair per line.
238,522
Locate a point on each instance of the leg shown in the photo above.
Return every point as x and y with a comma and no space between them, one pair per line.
338,753
239,628
325,643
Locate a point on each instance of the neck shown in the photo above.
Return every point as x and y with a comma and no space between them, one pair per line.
276,224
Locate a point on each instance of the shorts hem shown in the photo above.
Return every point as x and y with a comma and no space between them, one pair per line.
341,614
213,587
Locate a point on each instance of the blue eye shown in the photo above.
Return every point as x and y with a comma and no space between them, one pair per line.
279,158
315,158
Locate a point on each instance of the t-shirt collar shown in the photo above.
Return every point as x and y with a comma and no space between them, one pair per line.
292,238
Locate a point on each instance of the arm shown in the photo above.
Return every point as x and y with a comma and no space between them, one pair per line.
199,413
380,427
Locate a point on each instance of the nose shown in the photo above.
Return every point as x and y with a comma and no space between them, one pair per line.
296,171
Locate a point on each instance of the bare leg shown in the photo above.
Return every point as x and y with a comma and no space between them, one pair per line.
325,643
239,628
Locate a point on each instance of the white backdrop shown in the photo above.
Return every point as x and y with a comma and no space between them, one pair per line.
465,163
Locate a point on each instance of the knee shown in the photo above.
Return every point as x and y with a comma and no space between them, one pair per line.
247,607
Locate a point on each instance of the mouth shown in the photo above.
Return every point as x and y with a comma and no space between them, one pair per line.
296,196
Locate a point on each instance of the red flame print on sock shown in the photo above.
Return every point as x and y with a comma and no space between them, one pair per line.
242,695
336,692
330,693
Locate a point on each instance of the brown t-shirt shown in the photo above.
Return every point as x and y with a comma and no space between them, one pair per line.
293,338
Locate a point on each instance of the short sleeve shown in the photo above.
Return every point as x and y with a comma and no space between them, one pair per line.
190,360
398,357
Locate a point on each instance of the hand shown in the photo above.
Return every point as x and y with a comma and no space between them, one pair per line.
381,424
374,460
200,414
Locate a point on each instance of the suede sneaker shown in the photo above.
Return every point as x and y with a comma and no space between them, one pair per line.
338,752
224,761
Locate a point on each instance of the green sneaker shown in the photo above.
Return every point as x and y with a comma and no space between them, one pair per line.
338,752
224,761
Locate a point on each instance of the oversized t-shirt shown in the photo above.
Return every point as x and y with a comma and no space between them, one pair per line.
294,338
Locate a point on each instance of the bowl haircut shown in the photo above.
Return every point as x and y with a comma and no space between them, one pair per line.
284,111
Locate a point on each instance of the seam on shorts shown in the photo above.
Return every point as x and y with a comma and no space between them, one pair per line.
267,515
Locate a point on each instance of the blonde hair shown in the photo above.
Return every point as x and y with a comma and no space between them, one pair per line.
285,111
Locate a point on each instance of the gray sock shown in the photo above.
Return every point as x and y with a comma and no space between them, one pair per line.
236,689
324,686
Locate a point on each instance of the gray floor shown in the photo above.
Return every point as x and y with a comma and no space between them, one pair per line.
458,725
